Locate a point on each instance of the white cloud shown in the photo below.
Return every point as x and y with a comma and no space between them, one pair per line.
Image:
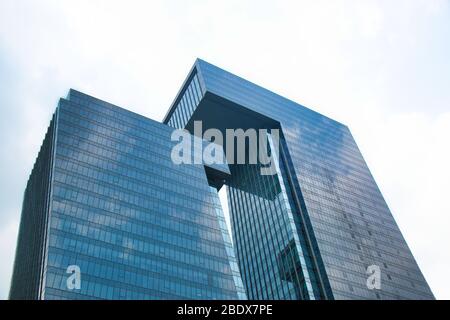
409,155
8,238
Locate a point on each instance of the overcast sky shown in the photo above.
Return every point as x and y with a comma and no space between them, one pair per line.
381,67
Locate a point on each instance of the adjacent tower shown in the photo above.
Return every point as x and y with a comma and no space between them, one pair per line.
312,230
105,197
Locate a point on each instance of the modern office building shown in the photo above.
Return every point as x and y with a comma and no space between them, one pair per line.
312,230
105,195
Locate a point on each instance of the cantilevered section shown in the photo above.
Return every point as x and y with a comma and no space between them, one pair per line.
324,197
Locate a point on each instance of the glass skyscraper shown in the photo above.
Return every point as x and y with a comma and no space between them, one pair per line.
312,230
104,195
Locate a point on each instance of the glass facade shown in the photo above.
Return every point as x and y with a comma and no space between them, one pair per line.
137,225
29,263
105,196
187,102
312,230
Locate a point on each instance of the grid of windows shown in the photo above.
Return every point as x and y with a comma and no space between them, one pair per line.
228,244
275,258
26,280
270,266
187,103
336,204
137,225
104,195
